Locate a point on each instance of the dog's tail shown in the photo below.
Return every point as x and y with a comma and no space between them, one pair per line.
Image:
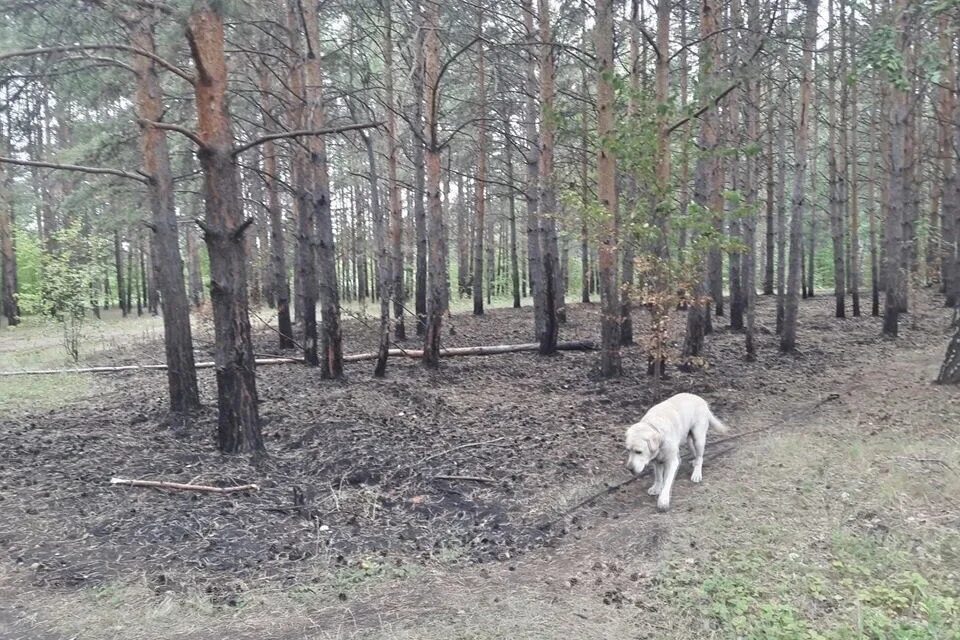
716,424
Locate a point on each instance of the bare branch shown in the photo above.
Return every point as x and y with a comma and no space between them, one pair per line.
169,66
168,126
300,133
74,167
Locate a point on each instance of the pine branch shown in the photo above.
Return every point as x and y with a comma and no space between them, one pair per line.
75,167
300,133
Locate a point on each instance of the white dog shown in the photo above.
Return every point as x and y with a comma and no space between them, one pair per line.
659,434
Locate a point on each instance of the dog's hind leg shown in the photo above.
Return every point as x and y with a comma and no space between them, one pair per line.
699,436
672,464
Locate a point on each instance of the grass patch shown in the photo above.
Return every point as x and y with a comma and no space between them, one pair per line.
42,392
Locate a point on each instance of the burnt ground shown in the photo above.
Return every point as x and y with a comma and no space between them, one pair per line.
354,482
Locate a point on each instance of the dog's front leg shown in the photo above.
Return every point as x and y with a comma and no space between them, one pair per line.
657,479
673,463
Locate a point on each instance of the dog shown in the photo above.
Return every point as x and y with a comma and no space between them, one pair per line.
658,436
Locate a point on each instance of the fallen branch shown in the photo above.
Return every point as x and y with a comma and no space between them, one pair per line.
159,484
467,478
453,351
488,350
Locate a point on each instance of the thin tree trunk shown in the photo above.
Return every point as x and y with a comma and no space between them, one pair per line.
837,171
751,175
8,254
419,212
897,192
331,339
610,363
479,227
436,301
396,211
548,209
707,180
238,420
118,262
279,281
854,164
300,177
788,340
545,324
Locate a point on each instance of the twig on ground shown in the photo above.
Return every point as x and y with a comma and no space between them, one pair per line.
467,478
160,484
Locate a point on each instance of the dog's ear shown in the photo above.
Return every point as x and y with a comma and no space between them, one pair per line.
654,440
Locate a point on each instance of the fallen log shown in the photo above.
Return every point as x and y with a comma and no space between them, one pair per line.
483,350
179,486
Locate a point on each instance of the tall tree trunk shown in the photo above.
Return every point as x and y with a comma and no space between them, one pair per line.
636,67
165,239
854,167
300,178
419,212
735,228
788,340
947,114
8,254
872,217
586,273
193,268
382,259
545,320
396,211
771,207
512,208
837,171
549,212
751,175
610,364
479,227
118,261
782,124
331,338
436,301
897,192
279,280
238,427
707,181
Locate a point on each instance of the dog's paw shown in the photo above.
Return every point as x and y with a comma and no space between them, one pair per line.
653,491
663,505
696,477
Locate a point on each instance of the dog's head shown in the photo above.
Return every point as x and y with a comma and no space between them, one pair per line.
643,445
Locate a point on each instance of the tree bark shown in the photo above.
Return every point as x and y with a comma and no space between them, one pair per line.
548,210
8,254
480,183
836,167
279,280
238,426
854,166
897,192
436,301
419,212
300,178
331,338
545,322
396,211
788,340
512,208
751,175
707,179
610,363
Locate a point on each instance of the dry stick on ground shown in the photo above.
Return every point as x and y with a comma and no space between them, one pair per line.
468,478
483,350
159,484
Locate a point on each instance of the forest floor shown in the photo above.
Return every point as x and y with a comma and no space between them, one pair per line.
830,510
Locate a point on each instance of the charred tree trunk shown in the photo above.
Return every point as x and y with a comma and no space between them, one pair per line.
788,340
419,212
837,174
238,428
